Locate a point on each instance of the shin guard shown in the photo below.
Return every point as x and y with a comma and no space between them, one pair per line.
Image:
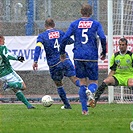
99,91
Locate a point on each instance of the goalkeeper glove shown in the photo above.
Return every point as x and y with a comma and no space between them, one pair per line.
20,58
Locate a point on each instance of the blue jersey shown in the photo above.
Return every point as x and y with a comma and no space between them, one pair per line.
85,31
51,40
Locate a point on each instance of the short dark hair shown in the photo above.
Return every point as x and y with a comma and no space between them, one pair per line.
49,23
123,40
86,10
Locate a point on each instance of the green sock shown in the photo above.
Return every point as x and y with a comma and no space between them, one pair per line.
15,85
22,98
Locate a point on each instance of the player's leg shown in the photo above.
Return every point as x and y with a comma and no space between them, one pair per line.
98,93
75,80
57,76
62,94
22,98
92,74
108,81
92,87
83,99
69,71
14,82
81,74
7,85
130,83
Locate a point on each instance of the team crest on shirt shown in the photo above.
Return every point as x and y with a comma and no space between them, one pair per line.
118,63
54,34
128,61
85,24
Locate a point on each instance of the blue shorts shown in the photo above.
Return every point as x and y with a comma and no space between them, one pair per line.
65,68
86,69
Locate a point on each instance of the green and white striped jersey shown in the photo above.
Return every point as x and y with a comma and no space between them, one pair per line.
5,56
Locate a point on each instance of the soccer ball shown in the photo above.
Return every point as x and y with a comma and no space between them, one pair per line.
47,101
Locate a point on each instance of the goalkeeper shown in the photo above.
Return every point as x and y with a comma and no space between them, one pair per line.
121,74
12,81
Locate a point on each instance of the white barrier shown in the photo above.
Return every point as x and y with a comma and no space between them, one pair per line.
25,45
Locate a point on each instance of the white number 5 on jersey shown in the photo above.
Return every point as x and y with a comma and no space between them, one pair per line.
84,34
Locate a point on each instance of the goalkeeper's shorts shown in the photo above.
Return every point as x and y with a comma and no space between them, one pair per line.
123,79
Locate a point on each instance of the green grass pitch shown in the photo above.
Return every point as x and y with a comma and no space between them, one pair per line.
105,118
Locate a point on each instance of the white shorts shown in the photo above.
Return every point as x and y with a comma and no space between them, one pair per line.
12,77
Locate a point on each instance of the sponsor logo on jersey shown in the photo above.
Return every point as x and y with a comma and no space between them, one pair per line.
54,35
85,24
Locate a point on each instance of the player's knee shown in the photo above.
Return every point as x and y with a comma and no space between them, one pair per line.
109,81
106,81
23,86
58,83
130,82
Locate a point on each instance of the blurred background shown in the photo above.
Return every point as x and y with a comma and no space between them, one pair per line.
26,17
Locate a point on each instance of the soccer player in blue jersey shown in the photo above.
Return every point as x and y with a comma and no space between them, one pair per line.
51,40
85,31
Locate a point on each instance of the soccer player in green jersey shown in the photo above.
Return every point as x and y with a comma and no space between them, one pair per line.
12,81
121,74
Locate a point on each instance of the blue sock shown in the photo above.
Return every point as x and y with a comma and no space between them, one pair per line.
77,83
93,87
83,97
62,95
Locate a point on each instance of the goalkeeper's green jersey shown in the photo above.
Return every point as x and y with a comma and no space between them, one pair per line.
122,63
5,56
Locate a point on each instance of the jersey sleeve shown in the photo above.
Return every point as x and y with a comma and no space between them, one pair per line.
113,65
37,51
70,41
39,44
9,55
132,59
102,38
65,39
